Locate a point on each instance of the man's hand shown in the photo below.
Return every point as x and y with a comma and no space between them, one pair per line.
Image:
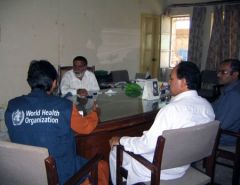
82,92
114,141
96,109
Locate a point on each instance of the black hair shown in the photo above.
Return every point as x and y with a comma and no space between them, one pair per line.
191,73
81,58
234,64
41,74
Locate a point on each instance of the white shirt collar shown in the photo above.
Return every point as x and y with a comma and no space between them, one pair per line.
190,93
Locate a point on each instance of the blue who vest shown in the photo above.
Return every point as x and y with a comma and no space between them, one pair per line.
40,119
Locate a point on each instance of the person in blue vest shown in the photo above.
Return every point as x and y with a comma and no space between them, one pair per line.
42,119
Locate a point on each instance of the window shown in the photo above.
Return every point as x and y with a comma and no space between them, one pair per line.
174,40
179,40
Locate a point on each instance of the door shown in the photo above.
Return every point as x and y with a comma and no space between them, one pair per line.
150,44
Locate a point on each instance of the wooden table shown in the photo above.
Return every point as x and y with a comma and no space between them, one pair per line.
120,116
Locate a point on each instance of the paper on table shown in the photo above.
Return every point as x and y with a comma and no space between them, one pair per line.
110,91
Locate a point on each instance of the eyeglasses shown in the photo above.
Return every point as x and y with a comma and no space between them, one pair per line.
224,72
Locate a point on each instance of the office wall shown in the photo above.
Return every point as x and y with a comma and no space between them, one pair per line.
107,32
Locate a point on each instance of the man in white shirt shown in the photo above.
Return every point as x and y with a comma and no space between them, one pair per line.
185,109
79,80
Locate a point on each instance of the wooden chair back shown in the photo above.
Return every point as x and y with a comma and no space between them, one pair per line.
62,70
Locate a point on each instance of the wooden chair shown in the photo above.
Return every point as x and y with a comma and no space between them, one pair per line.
175,148
27,165
62,70
226,154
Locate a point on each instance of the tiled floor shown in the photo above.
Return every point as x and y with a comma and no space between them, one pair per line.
223,175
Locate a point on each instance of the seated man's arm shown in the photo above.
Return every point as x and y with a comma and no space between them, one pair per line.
95,84
83,124
147,142
92,82
65,85
226,110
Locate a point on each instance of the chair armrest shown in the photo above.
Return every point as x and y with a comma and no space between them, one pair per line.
230,152
231,133
139,158
51,169
90,166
